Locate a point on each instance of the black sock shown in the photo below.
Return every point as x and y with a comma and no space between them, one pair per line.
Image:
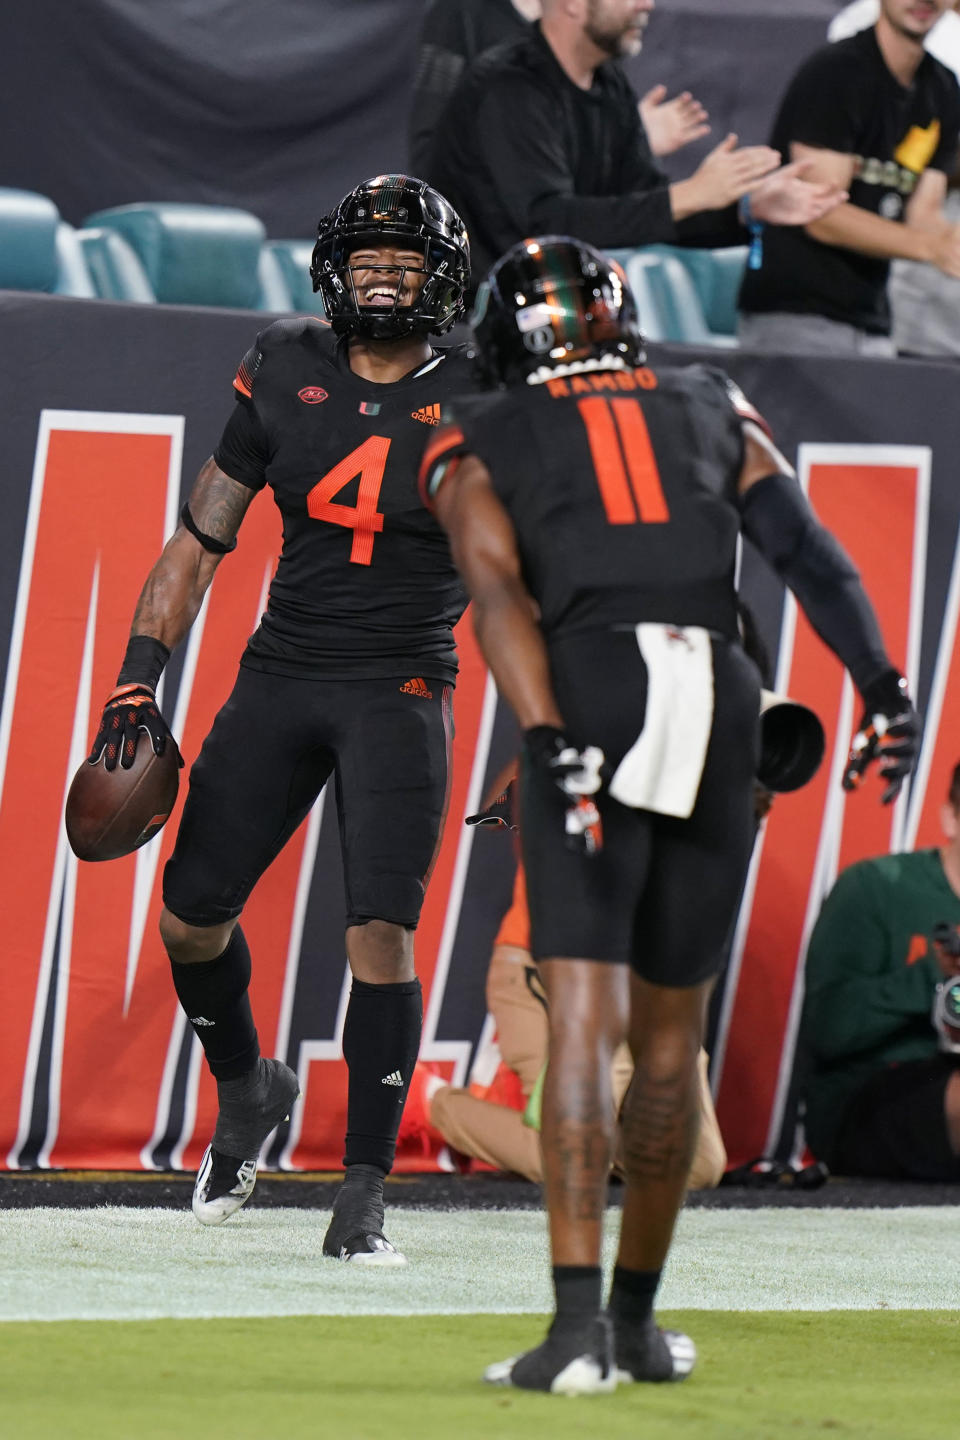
381,1041
578,1289
632,1294
214,995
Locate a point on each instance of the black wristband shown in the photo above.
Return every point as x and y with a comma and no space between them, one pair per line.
543,742
143,662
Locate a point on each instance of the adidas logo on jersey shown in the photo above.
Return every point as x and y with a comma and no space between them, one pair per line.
417,686
394,1078
201,1020
429,414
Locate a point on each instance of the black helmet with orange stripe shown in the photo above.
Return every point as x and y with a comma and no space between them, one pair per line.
554,306
405,214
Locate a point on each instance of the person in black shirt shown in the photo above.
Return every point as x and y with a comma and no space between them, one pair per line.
594,507
349,674
877,115
457,32
544,137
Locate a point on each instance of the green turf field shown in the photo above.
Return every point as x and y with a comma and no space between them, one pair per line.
139,1324
867,1375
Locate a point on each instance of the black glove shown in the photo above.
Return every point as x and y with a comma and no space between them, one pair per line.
889,731
130,709
499,812
578,775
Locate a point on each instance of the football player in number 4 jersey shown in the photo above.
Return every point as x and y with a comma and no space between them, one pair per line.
349,675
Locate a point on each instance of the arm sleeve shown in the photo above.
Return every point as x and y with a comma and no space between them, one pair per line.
778,519
521,135
857,995
445,51
243,453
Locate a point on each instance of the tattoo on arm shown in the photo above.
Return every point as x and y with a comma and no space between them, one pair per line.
217,503
174,589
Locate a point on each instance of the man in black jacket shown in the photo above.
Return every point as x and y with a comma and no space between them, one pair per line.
455,33
544,137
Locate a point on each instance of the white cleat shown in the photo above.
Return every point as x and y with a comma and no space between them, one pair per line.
373,1251
222,1186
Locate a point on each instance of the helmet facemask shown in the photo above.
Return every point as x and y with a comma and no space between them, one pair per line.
404,214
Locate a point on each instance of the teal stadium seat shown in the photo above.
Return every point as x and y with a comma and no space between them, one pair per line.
678,289
716,275
683,316
198,254
293,257
114,268
38,250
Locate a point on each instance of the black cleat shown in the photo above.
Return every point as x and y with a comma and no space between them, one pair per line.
652,1354
355,1232
225,1180
569,1362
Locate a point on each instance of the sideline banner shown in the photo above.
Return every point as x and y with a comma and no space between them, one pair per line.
109,412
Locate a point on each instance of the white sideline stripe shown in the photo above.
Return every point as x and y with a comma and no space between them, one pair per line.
126,1264
430,1047
311,1050
78,749
148,857
917,457
178,1025
291,972
63,860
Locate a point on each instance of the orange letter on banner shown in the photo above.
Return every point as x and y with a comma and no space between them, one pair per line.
99,509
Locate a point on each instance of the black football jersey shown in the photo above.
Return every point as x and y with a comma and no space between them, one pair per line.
621,486
365,586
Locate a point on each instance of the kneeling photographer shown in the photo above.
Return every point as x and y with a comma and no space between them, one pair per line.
881,1020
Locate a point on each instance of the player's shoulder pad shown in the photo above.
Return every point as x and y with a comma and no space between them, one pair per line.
734,397
454,439
442,455
292,331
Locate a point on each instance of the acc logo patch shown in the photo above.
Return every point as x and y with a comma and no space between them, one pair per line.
312,395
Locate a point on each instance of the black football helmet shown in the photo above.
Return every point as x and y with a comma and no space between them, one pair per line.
408,213
554,306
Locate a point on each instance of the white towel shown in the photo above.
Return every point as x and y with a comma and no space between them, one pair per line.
662,769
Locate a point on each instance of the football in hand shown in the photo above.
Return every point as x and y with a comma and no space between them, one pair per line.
113,812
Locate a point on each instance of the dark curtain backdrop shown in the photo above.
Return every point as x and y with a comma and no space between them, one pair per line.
280,106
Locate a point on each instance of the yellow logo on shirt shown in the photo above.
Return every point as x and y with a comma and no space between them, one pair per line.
918,147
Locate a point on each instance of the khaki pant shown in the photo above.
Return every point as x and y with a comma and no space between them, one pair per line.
496,1134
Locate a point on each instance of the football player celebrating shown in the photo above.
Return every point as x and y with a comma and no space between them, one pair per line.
594,507
349,675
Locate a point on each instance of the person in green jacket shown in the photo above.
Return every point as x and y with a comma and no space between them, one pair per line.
882,1060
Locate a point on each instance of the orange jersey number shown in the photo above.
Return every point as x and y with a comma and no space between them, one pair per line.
623,459
369,461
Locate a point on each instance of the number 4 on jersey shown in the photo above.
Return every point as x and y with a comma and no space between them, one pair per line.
369,461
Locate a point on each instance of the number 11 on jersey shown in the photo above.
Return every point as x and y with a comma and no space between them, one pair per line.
369,461
620,449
